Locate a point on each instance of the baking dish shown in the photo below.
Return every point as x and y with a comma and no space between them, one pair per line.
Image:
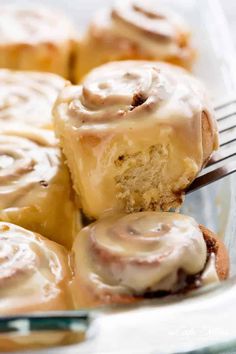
204,321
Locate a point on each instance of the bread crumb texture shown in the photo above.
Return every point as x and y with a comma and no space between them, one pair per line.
142,183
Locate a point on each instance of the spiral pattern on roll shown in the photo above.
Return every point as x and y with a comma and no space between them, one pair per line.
32,25
26,165
148,19
124,116
121,91
121,95
28,97
139,253
34,273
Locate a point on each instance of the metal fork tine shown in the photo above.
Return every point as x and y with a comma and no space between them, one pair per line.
222,155
219,119
227,138
227,126
227,129
223,105
212,176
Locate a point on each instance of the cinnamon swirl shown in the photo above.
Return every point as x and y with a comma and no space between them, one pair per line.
34,276
125,258
35,187
28,97
135,135
34,272
135,29
36,39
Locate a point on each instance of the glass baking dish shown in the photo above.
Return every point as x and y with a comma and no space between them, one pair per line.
202,322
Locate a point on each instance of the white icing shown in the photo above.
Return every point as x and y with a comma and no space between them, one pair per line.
152,28
210,275
34,273
28,97
31,25
138,253
124,108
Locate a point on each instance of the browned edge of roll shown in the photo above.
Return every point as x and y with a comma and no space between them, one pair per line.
216,246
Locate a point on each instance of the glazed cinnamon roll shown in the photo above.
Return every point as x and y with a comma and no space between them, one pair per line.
28,97
135,135
35,187
34,272
34,277
36,39
135,29
125,258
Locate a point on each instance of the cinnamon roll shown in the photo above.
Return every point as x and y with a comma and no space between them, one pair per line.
35,187
135,29
34,272
36,39
34,276
135,135
125,258
28,97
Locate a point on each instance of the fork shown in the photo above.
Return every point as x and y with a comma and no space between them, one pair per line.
219,165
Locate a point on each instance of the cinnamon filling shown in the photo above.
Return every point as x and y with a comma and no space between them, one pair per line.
138,99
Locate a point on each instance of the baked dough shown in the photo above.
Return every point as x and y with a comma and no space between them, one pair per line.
135,29
135,135
125,258
35,273
35,38
35,187
35,276
28,97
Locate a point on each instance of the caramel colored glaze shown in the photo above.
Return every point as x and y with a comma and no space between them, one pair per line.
35,187
124,258
36,39
215,245
126,107
28,97
34,272
134,30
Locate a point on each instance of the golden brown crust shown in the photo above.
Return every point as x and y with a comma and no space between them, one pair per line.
215,245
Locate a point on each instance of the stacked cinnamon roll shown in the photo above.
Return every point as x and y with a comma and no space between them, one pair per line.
135,134
131,138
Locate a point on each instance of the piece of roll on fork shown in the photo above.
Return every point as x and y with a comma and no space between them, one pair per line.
125,258
135,135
